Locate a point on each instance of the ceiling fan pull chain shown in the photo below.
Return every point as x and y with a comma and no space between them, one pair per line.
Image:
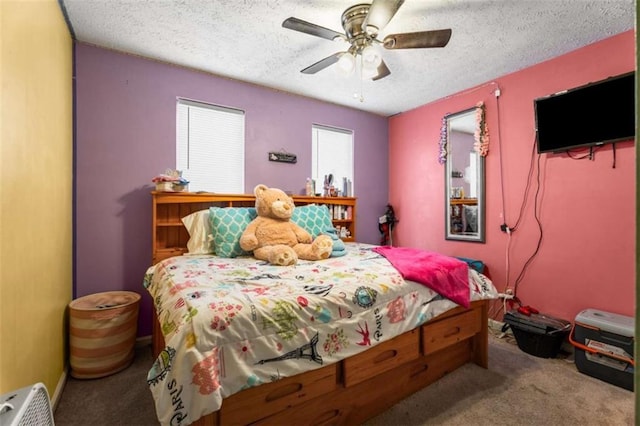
361,83
361,79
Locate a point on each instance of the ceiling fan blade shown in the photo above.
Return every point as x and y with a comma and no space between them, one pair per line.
322,64
380,13
422,39
309,28
383,71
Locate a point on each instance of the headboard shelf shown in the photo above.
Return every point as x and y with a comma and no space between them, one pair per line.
169,236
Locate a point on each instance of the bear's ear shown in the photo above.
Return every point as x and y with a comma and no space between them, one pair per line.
259,190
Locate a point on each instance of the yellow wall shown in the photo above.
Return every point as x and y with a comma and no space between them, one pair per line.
35,191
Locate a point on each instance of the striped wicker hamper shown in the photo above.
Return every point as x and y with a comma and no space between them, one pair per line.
102,333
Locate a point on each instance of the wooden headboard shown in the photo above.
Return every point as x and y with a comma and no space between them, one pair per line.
169,235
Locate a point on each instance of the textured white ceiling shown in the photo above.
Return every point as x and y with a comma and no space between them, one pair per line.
244,40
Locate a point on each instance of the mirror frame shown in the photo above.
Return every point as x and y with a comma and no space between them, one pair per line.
479,236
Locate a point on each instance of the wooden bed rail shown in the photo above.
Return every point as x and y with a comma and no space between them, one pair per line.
363,386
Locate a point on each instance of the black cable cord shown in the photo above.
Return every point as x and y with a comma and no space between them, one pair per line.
614,156
590,155
524,198
577,158
527,187
535,215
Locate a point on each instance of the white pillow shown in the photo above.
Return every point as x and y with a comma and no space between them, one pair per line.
201,235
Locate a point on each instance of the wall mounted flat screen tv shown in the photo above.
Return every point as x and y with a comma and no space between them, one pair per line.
589,115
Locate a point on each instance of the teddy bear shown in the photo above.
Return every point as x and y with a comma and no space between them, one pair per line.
273,237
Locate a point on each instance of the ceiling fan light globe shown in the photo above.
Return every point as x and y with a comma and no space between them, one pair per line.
346,63
371,57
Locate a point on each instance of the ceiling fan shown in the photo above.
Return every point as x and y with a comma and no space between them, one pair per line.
362,23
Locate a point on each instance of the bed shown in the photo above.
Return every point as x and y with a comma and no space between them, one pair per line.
337,341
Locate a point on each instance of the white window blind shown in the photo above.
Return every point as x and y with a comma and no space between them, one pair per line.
332,154
210,147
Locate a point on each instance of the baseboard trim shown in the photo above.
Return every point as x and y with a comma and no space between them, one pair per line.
57,393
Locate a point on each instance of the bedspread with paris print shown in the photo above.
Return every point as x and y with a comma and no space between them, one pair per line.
231,324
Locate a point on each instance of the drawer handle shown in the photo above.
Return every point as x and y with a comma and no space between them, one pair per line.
385,356
453,332
284,391
326,417
418,369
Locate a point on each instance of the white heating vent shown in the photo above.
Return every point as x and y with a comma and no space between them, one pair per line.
29,406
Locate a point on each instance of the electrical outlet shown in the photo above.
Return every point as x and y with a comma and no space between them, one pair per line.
507,295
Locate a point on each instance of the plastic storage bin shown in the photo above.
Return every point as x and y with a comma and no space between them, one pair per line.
102,333
538,334
603,344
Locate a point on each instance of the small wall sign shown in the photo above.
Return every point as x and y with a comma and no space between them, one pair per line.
283,157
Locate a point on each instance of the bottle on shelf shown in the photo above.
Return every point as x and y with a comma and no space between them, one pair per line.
309,190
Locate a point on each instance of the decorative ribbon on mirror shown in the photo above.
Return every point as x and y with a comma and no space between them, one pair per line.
481,134
442,154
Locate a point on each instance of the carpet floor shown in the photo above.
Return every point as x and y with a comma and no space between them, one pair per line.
516,389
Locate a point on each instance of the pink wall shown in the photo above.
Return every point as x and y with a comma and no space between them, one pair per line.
587,255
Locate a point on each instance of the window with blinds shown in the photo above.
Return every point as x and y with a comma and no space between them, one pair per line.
332,154
210,147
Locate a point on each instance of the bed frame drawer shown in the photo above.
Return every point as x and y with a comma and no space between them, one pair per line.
265,400
381,358
441,334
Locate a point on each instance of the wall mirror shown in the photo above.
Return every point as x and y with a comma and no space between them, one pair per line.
464,175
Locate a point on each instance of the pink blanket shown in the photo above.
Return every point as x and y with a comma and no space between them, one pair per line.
446,275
